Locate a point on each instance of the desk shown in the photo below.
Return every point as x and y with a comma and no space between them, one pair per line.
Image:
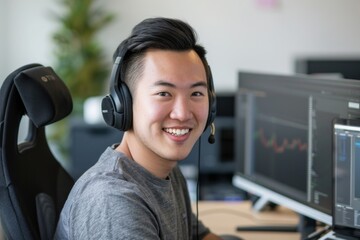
224,217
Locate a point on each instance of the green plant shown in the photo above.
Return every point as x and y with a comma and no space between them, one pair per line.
80,60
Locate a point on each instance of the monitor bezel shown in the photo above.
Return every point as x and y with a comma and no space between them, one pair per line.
268,195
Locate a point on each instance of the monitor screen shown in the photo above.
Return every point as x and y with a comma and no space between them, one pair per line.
284,138
346,159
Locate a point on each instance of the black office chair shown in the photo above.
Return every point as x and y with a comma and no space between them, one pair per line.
33,185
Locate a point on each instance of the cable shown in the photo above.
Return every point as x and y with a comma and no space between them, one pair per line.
319,233
198,191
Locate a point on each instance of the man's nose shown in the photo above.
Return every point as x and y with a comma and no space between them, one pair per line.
181,109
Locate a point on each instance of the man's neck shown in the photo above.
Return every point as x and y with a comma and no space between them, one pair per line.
156,165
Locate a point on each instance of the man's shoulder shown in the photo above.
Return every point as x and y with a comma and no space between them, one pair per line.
102,184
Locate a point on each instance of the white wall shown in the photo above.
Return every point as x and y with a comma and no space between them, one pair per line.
238,34
3,41
26,33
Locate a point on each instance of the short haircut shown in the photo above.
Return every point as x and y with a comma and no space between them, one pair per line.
155,33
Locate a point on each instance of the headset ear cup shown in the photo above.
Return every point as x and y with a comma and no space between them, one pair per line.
212,100
107,110
212,108
113,117
127,106
118,115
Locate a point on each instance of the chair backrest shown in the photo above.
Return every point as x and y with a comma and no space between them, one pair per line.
33,184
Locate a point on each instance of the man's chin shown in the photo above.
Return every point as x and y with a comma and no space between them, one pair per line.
179,156
179,153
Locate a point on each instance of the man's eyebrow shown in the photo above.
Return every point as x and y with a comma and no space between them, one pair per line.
168,84
200,84
164,83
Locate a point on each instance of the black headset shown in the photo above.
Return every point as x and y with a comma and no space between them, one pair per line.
116,107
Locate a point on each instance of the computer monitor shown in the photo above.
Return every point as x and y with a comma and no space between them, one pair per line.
284,138
332,66
346,205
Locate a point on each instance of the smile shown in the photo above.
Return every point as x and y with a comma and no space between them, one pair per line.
176,132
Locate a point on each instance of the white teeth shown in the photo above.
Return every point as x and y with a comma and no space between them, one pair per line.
177,132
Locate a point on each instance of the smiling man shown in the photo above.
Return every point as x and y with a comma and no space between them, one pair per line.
170,109
162,97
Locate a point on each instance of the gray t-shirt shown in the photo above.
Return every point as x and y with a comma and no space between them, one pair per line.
119,199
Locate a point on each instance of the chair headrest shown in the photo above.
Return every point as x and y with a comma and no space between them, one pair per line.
44,95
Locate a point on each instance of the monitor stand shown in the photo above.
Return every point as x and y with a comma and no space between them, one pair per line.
260,204
305,227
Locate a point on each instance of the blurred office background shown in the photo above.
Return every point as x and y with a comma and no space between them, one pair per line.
250,35
259,35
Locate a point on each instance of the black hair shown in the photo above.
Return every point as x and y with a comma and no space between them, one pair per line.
157,33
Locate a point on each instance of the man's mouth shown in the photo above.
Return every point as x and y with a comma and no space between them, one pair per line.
176,131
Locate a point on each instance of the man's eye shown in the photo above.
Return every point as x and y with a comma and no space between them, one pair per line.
198,94
164,94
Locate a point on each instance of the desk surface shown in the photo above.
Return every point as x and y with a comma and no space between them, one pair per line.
224,217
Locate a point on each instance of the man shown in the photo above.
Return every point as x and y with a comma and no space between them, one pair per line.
162,97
